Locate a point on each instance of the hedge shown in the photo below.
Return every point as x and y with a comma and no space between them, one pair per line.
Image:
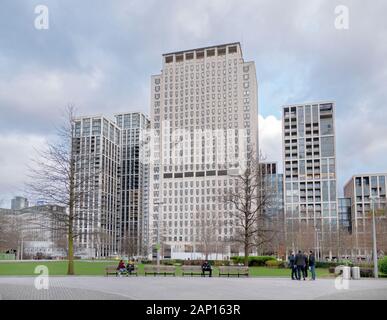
274,264
254,261
383,265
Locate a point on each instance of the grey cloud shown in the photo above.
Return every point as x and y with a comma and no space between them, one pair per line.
99,55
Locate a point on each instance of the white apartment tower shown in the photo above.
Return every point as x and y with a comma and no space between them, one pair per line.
311,210
96,148
204,119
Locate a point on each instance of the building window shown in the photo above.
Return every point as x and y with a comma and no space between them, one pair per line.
210,52
200,55
232,49
221,51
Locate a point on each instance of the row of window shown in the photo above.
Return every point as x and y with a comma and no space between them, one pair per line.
220,51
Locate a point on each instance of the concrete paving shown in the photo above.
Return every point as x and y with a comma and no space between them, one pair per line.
188,288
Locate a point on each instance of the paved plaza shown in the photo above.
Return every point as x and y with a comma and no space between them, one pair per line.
171,288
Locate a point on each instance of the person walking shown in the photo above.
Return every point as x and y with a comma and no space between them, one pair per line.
306,265
300,263
312,265
292,265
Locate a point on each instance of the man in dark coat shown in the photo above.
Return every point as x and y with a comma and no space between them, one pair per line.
206,267
292,266
312,265
300,263
306,265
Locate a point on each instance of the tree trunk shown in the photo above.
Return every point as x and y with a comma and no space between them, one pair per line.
70,256
246,255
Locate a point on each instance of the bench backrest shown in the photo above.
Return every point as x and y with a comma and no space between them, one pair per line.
153,268
111,268
191,268
233,269
167,268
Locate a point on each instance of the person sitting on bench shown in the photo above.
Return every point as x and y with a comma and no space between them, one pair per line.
206,267
121,267
130,266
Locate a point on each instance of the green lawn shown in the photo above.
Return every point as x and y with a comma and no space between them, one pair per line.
98,268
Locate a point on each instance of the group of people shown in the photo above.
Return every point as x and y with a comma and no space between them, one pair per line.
122,268
301,263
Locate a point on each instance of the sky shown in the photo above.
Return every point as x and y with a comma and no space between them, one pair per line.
100,55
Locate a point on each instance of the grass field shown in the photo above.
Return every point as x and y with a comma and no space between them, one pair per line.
97,268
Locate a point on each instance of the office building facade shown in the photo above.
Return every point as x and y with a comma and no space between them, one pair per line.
134,184
309,161
367,191
18,203
204,119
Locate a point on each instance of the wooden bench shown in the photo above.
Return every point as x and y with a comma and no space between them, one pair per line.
191,270
161,270
233,271
113,270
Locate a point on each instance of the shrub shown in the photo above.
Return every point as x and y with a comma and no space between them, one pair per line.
383,265
273,264
366,272
329,264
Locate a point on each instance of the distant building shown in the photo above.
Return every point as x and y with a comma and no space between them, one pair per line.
41,234
363,189
34,232
273,187
18,203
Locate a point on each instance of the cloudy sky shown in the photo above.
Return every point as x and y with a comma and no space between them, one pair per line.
99,55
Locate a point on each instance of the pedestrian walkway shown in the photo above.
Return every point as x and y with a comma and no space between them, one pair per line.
165,288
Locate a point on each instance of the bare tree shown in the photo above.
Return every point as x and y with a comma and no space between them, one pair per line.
249,201
54,179
129,246
206,227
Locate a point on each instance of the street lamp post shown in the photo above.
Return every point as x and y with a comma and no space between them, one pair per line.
158,246
375,251
317,244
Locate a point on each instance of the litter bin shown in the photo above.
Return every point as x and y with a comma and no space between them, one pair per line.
355,273
346,273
